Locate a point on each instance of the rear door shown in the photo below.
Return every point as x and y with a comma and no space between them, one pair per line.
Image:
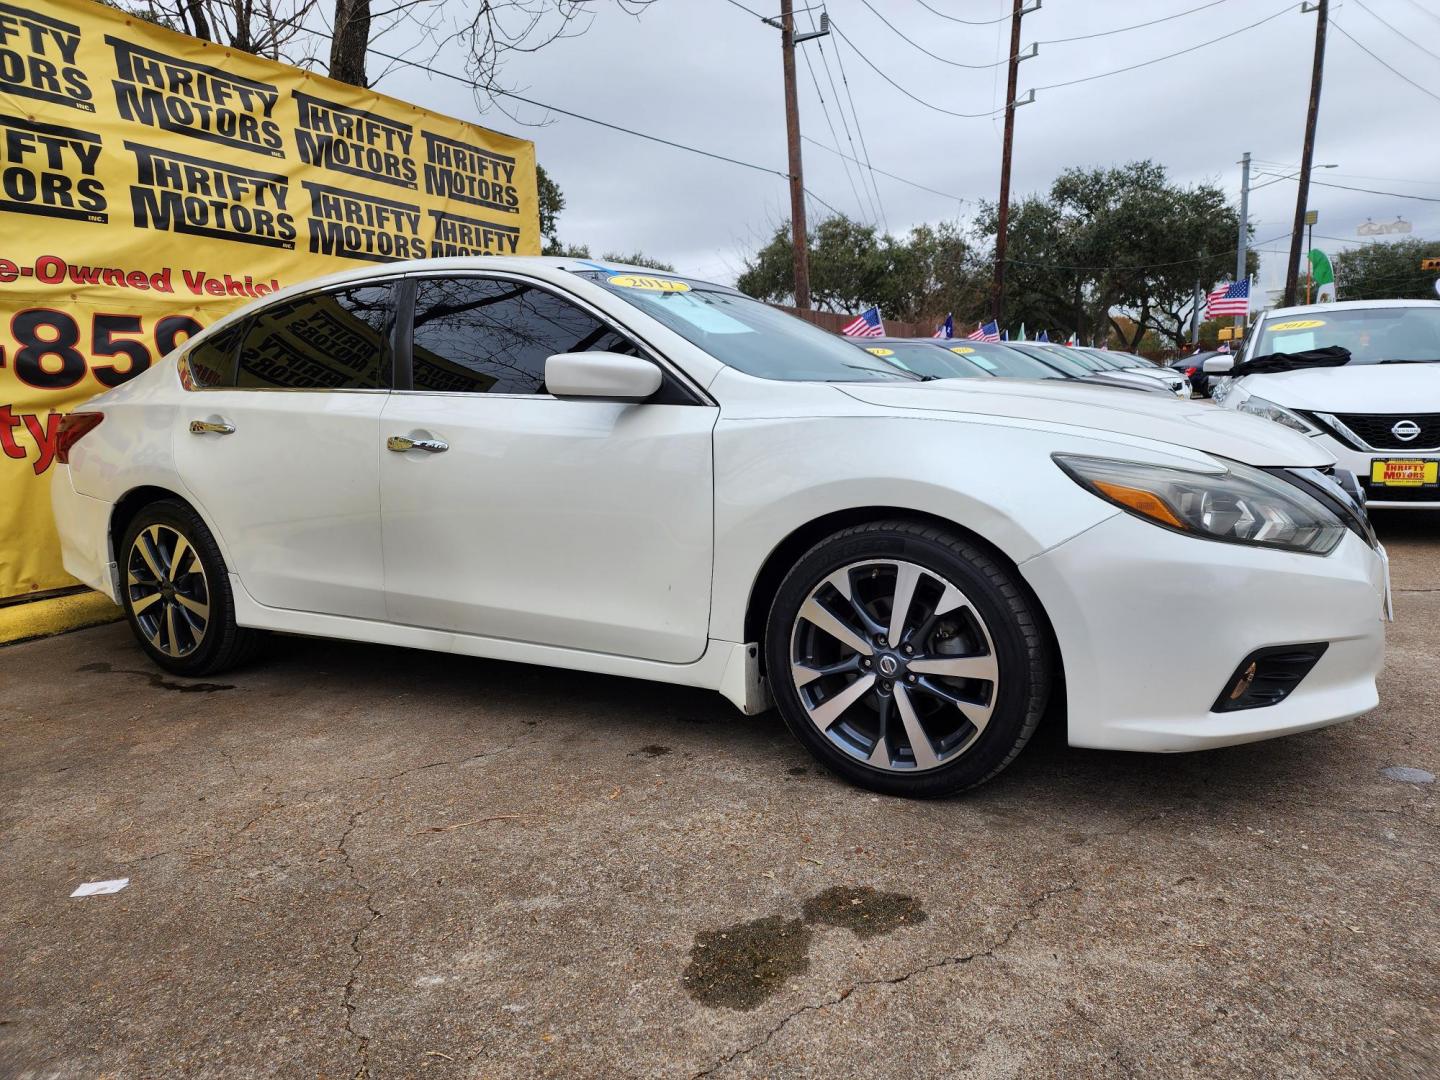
514,514
280,445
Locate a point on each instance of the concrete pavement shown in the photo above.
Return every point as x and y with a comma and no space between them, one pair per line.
358,861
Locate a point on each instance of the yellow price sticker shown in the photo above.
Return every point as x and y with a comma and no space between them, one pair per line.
652,284
1297,324
961,349
877,351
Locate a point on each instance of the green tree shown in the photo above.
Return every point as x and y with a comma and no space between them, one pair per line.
926,274
637,258
1106,242
1386,270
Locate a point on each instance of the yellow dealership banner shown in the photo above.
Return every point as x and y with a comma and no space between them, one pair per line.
151,182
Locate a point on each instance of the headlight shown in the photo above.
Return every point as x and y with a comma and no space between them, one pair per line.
1259,406
1242,505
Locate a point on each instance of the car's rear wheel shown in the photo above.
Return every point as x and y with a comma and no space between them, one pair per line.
907,659
177,593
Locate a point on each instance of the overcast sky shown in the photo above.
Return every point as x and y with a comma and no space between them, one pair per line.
706,73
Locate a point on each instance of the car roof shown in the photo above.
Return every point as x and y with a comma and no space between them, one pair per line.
1348,305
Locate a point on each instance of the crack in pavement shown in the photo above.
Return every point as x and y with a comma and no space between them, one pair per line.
362,1068
348,1001
1032,912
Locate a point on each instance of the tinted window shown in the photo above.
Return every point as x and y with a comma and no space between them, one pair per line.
212,361
324,341
484,335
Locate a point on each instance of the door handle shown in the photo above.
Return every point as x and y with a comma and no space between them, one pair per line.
400,444
211,427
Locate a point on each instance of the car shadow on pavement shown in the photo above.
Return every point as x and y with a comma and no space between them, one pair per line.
702,726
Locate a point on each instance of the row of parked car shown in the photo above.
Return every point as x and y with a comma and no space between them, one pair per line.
1360,379
934,358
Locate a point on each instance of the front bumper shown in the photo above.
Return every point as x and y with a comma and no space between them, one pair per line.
1151,624
1380,497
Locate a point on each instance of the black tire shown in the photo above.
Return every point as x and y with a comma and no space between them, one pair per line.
1021,651
221,644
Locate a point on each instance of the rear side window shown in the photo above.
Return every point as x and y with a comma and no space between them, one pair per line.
487,336
212,361
336,340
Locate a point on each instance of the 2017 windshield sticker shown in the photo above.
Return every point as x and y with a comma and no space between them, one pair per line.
1297,324
651,284
877,351
961,349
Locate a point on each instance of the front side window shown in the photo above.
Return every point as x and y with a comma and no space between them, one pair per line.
480,335
336,340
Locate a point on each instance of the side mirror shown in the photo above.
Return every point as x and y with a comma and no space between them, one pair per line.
604,375
1219,365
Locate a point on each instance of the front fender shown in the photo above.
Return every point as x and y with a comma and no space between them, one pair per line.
776,475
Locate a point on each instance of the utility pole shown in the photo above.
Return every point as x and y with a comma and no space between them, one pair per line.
788,40
1241,267
1302,197
1002,225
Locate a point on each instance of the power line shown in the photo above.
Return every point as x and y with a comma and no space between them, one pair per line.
581,116
964,22
748,11
1133,26
1168,56
1147,266
1423,10
1382,63
919,100
1394,30
845,81
882,172
934,56
854,190
872,192
1372,191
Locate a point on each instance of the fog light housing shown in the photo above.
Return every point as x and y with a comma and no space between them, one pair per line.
1267,676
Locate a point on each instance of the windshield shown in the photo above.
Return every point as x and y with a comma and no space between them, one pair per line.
925,359
1003,361
745,334
1061,359
1373,335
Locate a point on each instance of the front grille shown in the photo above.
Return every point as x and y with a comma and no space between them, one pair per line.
1376,430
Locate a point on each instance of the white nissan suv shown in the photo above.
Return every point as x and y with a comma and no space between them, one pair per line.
1378,412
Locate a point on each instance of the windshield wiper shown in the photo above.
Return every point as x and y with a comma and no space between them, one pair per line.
1433,360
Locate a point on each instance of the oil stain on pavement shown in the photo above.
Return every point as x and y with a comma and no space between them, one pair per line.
157,681
740,966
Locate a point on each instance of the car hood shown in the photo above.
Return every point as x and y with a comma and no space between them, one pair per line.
1201,427
1352,388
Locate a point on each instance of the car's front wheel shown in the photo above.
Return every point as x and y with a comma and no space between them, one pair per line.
177,593
907,659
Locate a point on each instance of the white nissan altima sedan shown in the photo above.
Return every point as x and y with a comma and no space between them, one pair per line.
604,468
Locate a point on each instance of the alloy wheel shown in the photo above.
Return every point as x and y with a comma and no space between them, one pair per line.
894,665
169,593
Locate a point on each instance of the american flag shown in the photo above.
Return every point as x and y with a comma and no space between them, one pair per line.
945,329
1228,299
985,332
866,325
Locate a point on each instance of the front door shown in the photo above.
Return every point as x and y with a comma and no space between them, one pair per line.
513,514
280,447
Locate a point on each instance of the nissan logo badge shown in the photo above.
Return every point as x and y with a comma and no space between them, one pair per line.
1406,431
